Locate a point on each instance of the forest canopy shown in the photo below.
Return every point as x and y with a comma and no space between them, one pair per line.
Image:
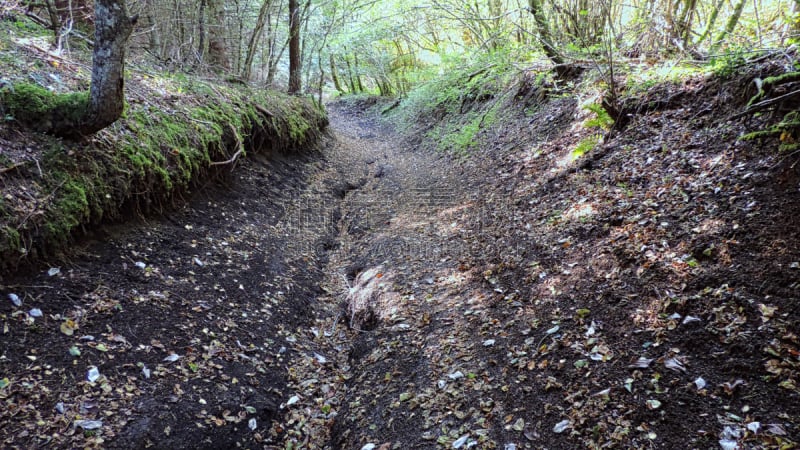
386,46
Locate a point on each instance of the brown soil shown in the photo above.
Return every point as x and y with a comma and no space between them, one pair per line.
642,296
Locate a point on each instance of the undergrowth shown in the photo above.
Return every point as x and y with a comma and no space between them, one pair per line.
458,103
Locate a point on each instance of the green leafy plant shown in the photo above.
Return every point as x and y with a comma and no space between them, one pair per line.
585,145
601,120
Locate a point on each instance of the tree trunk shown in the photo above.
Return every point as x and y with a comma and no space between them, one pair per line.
255,38
217,49
712,19
295,63
113,26
153,35
729,27
201,31
545,34
335,75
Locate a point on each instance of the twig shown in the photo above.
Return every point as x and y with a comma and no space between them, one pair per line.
10,168
780,161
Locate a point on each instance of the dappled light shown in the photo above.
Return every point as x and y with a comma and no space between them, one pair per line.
396,224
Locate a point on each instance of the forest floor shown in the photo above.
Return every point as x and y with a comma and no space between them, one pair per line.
377,295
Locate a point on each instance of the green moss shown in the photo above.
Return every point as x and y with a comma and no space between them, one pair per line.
35,106
9,240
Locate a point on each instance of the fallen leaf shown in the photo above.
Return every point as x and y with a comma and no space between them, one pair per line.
674,364
68,327
641,363
89,424
15,299
653,404
93,374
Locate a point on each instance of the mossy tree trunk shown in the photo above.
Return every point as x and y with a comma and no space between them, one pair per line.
733,20
255,38
545,32
113,26
295,61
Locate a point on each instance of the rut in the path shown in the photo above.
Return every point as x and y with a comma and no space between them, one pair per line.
396,239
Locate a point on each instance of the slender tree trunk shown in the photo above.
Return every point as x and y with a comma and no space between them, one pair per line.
351,78
154,34
255,37
545,34
335,75
295,62
358,73
729,27
113,26
712,19
201,30
217,49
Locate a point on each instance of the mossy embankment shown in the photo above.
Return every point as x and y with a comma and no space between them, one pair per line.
175,133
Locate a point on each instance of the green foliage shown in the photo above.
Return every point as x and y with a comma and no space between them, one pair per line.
601,120
728,64
585,145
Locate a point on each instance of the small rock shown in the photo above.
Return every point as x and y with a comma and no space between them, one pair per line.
561,426
15,299
54,271
93,374
488,342
89,424
35,312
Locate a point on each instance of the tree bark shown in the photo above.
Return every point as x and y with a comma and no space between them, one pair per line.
335,75
255,38
201,31
295,62
712,19
729,27
113,27
545,34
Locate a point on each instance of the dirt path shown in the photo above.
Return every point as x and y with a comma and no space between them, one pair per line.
378,296
197,329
